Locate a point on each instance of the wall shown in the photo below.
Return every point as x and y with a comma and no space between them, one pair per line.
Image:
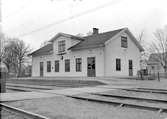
114,50
98,53
35,65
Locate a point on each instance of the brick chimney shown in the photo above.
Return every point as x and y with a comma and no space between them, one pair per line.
95,30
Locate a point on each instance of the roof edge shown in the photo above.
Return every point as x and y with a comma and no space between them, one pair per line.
38,49
135,40
66,35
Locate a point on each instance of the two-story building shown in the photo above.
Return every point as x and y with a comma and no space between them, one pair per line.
113,53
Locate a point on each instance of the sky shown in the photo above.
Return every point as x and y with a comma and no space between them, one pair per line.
36,21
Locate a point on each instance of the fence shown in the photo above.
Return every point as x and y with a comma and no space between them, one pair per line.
144,75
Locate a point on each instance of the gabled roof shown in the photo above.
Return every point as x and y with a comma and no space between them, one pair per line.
45,50
156,57
66,35
98,40
134,40
95,40
92,41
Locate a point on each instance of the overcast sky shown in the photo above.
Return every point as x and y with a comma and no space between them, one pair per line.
35,21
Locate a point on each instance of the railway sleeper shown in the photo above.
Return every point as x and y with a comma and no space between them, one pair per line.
120,104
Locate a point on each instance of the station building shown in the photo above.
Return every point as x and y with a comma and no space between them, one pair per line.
113,53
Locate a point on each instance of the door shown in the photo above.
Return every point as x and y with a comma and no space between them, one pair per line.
130,68
91,67
41,69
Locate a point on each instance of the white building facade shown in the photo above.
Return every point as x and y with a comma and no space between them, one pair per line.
114,53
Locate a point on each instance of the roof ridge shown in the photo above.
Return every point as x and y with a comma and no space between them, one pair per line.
105,32
96,40
66,35
92,34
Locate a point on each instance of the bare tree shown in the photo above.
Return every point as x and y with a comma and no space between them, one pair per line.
159,47
45,43
140,38
89,33
9,58
2,44
80,35
20,50
15,54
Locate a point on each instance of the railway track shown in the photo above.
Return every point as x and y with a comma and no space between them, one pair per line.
155,103
21,113
24,89
156,91
152,103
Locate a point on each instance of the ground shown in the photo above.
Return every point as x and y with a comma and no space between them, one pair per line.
154,84
8,115
68,108
62,107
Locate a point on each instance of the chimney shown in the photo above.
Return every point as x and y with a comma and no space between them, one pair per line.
95,30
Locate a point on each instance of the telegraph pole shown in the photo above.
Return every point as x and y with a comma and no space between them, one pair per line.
0,16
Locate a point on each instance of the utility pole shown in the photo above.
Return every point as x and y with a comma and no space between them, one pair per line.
0,16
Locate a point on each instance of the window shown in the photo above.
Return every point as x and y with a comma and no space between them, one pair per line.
153,67
158,67
124,42
56,65
67,65
78,64
130,64
48,66
61,46
118,64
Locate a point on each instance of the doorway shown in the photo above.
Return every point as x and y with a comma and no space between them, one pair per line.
41,69
130,68
91,67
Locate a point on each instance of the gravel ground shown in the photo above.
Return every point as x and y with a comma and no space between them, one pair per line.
69,108
140,83
11,91
8,115
137,94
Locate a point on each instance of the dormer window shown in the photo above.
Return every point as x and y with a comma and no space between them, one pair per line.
124,42
61,46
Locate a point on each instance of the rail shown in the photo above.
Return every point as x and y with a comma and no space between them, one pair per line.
22,112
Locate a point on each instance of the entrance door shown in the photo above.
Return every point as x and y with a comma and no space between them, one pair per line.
91,67
41,69
130,68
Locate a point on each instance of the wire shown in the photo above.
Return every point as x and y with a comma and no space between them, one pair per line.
71,17
14,12
20,9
